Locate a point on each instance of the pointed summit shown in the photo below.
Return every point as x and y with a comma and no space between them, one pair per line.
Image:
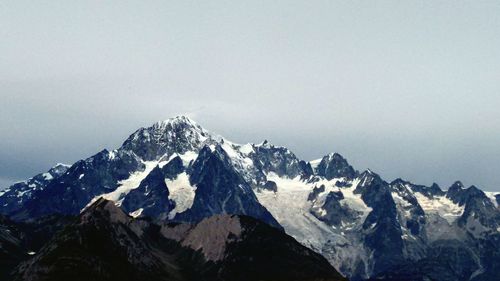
457,184
334,165
180,120
103,209
164,138
461,195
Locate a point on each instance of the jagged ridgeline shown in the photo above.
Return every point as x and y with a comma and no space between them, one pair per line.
176,172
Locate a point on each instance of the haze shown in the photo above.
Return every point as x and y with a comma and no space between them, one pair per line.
409,89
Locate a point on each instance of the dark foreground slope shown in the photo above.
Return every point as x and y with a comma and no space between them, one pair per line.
18,241
12,250
106,244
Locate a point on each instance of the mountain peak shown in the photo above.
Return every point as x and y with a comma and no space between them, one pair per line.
177,120
335,155
180,122
457,184
175,135
334,165
398,181
104,208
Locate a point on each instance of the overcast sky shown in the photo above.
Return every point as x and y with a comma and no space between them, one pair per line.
409,89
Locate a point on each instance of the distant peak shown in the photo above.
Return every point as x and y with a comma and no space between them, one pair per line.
334,154
58,169
265,143
369,174
180,119
457,184
399,181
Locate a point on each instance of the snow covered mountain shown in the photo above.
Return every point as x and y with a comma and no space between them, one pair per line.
365,226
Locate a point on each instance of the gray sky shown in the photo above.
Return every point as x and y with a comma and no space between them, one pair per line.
407,88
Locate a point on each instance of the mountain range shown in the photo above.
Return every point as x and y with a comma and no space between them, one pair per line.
162,197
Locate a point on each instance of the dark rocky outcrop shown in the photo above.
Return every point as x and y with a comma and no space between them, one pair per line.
151,197
335,166
105,244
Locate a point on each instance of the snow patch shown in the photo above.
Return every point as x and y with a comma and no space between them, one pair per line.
246,149
491,196
112,154
181,192
136,213
290,207
315,163
125,186
440,205
186,158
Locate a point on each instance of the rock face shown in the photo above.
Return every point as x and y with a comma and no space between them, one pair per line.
73,190
335,166
107,244
221,190
16,196
177,172
151,197
178,135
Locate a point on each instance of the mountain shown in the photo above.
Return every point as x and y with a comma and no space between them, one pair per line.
367,227
12,250
106,244
19,241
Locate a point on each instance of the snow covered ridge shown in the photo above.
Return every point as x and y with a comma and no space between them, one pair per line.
178,171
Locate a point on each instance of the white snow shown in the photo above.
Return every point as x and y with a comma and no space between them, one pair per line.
351,200
440,205
136,213
240,160
112,154
315,163
81,176
400,201
290,207
125,186
404,212
47,176
181,192
31,253
186,158
21,193
236,157
246,149
492,197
